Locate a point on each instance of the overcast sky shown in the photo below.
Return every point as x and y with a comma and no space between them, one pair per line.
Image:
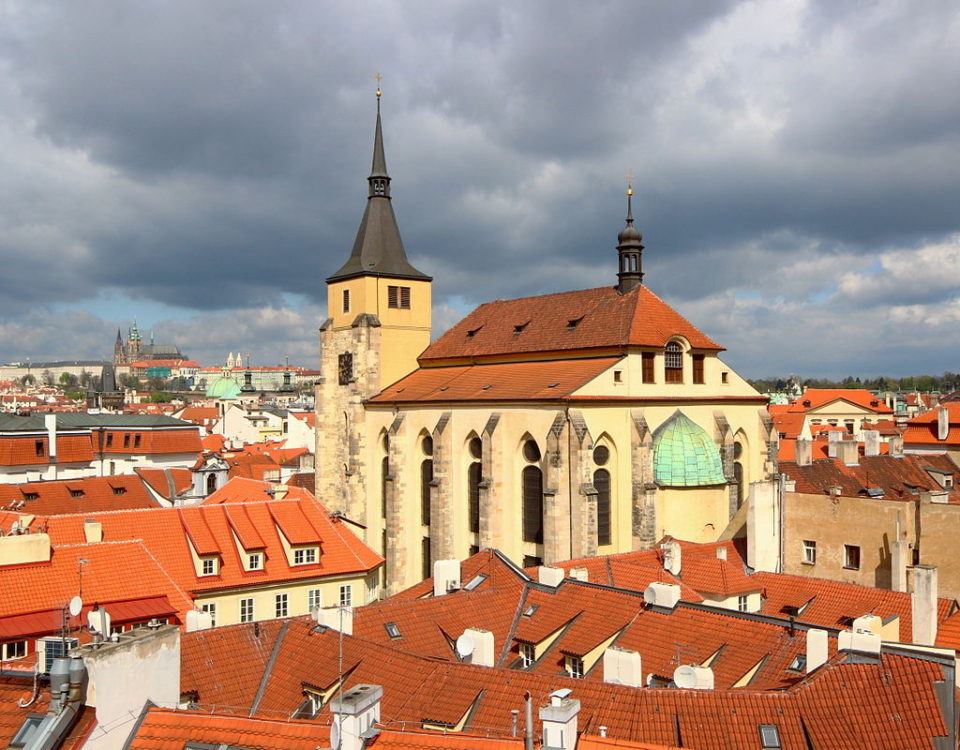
201,166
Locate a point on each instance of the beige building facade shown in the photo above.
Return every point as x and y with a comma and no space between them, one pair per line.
549,427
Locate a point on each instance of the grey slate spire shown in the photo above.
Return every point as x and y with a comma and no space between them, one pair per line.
378,249
630,250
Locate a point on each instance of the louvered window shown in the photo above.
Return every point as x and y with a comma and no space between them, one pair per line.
474,475
398,297
532,480
648,360
601,482
697,360
673,363
346,300
426,477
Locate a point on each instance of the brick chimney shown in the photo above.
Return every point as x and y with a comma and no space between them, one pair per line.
804,451
849,452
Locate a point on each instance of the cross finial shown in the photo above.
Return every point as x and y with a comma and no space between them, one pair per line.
379,78
629,182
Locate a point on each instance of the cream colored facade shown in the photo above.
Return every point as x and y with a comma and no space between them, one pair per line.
300,594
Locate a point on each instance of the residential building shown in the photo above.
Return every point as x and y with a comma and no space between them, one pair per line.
935,431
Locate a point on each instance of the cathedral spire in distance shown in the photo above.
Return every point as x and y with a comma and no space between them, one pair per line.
630,250
378,249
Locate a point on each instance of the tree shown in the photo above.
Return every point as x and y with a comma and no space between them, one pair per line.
28,380
129,381
160,397
68,380
85,378
155,384
47,377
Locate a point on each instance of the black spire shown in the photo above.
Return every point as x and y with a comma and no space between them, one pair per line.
630,249
378,249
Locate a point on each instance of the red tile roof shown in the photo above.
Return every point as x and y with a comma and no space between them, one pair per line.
168,729
86,495
605,319
158,440
22,451
922,429
168,483
900,477
496,382
816,398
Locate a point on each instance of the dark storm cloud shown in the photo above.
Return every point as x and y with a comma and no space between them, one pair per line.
212,156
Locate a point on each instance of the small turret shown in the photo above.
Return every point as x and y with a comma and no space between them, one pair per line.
630,249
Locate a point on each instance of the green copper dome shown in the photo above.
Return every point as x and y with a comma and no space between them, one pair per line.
684,455
224,388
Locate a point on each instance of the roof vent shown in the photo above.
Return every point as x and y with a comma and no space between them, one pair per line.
693,677
574,322
473,332
520,326
659,594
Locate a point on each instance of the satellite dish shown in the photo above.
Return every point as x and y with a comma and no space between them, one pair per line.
76,606
465,646
335,735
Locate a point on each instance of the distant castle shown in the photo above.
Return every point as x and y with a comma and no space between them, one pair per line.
136,351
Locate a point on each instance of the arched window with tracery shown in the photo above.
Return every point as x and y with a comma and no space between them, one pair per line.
602,484
531,481
474,477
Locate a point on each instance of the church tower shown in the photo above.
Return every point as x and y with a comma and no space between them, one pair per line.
378,322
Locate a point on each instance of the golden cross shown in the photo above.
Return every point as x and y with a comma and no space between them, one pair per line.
379,78
629,182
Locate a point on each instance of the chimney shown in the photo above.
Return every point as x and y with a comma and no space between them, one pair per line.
475,646
671,557
17,549
804,451
50,422
849,452
549,575
98,621
871,442
580,574
923,603
833,437
446,576
92,531
559,719
861,642
721,553
528,722
943,422
354,713
817,653
335,618
622,667
895,445
198,619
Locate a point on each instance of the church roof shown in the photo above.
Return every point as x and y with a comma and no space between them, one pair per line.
510,381
585,319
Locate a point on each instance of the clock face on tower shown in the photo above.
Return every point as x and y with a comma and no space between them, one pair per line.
345,368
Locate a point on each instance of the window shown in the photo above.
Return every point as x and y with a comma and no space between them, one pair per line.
109,439
392,630
697,362
769,736
574,666
673,362
799,663
742,605
425,569
76,493
601,483
246,610
398,297
618,376
344,368
254,561
305,556
647,362
346,300
526,655
119,490
474,476
851,557
211,483
126,440
426,478
724,377
314,599
38,447
532,487
280,602
211,609
14,650
346,595
136,441
208,566
809,552
384,479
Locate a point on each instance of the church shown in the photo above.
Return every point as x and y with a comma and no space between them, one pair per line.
552,427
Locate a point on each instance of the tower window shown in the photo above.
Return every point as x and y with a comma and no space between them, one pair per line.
398,297
346,300
673,362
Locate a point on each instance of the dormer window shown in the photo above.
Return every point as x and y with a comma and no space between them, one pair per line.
574,666
209,566
305,556
574,322
254,561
